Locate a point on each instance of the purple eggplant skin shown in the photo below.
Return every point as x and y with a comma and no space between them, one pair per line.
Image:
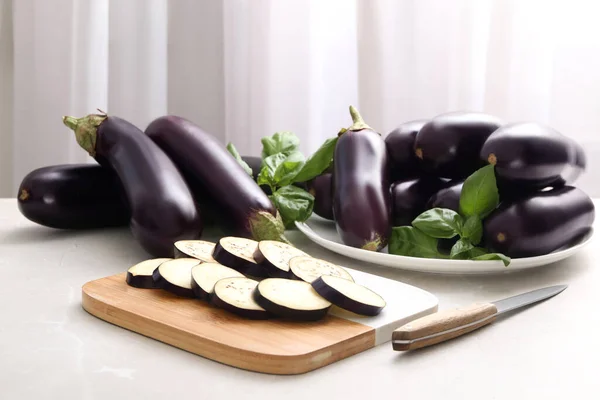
320,188
163,209
361,187
73,196
447,197
212,172
530,156
449,145
400,143
540,223
409,198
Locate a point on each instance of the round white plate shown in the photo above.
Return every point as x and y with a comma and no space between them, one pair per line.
323,232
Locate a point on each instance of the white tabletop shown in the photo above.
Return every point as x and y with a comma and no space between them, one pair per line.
50,348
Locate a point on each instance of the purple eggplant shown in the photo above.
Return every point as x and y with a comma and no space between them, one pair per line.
409,198
320,188
449,144
447,197
400,143
531,156
361,187
163,210
76,196
213,173
539,223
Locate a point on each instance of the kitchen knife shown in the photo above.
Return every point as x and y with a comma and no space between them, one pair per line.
448,324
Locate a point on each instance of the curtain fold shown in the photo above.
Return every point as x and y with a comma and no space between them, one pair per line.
245,69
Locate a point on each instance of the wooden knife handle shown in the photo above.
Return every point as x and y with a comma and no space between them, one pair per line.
441,326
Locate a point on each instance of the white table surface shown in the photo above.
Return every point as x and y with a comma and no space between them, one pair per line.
50,348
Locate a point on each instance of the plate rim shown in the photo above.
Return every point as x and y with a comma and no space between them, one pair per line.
421,264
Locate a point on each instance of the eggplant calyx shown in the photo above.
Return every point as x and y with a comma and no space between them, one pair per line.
358,123
86,130
373,245
264,226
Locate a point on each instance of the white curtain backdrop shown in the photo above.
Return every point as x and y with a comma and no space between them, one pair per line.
244,69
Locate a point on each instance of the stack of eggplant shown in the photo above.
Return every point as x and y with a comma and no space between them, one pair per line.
163,182
380,182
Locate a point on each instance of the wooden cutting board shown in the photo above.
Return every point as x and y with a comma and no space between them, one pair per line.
271,346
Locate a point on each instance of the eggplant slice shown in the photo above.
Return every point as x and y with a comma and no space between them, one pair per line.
275,257
200,249
175,276
349,295
235,295
291,299
238,253
140,275
206,275
308,269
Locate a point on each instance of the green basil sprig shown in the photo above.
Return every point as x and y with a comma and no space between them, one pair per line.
478,198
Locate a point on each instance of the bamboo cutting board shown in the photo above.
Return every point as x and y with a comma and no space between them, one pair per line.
271,346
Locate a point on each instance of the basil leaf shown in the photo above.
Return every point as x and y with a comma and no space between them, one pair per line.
479,194
476,252
266,176
409,241
473,229
494,256
288,169
231,148
293,203
439,223
461,249
280,142
318,162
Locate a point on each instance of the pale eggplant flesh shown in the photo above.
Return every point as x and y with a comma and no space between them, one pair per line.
349,295
291,299
206,275
238,253
236,296
308,269
140,274
175,276
275,257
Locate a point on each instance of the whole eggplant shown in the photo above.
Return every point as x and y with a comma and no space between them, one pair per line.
162,207
73,196
530,156
409,198
400,143
212,172
320,188
539,223
447,197
449,144
361,187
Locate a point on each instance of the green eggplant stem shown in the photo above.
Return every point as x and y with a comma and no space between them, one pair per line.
86,130
358,123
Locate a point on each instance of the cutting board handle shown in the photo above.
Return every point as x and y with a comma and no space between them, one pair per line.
442,326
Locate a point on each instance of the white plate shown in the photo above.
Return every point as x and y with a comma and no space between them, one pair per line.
323,232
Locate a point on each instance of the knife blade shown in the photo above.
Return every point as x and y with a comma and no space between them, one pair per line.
449,324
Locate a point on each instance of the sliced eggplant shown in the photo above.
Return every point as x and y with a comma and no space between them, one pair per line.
175,276
140,275
308,269
238,253
349,295
200,249
206,275
236,296
291,299
275,257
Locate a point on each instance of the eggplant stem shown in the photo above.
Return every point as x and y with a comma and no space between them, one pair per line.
86,130
358,123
